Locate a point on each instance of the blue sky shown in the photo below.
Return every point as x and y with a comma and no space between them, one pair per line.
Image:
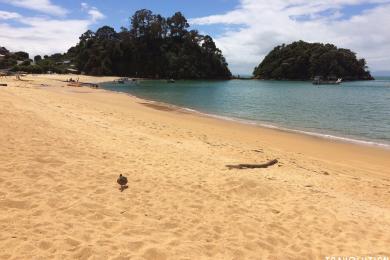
245,30
117,12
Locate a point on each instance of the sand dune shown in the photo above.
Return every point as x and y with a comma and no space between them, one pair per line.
62,149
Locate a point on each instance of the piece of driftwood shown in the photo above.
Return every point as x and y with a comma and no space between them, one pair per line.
253,166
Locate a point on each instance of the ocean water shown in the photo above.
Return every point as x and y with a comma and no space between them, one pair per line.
353,111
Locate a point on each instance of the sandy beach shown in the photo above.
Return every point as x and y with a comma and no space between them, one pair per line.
62,149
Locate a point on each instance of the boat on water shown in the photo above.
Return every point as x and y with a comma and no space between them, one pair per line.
171,81
318,80
122,80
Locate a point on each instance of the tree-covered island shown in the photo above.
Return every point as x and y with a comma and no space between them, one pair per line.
303,61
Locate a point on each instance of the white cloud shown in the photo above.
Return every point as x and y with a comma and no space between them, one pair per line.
84,6
265,24
4,15
43,35
43,6
94,13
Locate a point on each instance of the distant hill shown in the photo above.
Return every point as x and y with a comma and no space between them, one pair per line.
20,61
303,61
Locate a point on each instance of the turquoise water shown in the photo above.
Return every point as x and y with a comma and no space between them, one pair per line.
353,110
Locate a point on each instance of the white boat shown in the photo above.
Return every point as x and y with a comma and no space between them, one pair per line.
318,80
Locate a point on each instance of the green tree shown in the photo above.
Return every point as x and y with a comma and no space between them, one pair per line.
37,58
21,55
177,25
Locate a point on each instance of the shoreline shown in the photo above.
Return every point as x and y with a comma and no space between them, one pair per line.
362,151
260,124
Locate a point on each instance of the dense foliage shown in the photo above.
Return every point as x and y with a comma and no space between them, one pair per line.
303,61
8,59
153,46
20,61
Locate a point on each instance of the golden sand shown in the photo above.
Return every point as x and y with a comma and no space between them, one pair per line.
62,149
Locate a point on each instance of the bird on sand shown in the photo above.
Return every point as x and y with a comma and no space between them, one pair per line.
122,180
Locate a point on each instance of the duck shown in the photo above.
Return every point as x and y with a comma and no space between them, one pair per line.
122,180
